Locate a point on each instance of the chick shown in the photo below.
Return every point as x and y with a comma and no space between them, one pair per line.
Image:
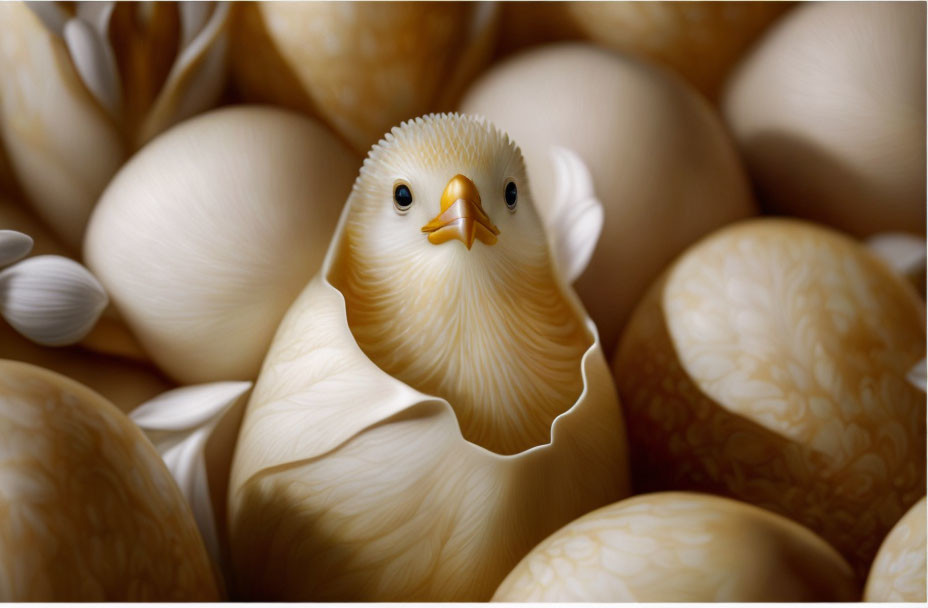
450,285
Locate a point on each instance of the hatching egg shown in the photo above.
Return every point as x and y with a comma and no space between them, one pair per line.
659,159
88,511
769,363
205,237
829,112
681,547
362,67
898,572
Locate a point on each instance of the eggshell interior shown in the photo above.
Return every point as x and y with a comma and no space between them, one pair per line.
898,572
89,511
829,111
205,237
769,363
681,547
660,160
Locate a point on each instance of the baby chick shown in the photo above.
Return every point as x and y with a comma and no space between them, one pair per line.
450,285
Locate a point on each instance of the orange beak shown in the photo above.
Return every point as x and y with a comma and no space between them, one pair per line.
462,216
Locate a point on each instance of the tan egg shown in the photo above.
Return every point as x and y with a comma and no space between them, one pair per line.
898,572
89,511
769,363
699,40
681,547
362,67
829,112
206,236
659,159
82,87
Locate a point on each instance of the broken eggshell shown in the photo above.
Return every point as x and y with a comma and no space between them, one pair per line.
203,264
89,511
639,125
362,67
681,547
348,484
769,363
71,109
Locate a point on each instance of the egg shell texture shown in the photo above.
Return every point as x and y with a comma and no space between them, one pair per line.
202,264
680,547
88,512
769,364
898,572
660,160
829,112
361,66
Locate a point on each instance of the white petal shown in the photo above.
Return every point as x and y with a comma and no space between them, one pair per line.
95,63
576,219
193,16
179,423
51,300
189,407
905,253
97,14
918,375
13,246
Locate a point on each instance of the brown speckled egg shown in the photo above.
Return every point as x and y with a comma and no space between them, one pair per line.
88,511
660,160
362,67
829,111
681,547
898,572
769,363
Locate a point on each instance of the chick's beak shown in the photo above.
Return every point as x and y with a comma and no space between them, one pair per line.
462,217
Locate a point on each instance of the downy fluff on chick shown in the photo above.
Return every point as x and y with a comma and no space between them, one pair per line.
450,286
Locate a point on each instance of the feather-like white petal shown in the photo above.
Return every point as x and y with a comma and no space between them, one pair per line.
179,423
52,16
52,300
918,375
576,219
95,63
193,16
13,246
905,253
97,14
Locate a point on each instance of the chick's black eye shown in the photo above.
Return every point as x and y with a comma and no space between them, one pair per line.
402,197
511,195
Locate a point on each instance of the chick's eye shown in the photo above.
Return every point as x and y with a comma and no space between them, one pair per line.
402,197
511,195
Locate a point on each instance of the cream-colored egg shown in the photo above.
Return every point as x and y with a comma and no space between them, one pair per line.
88,511
362,67
699,40
207,235
829,112
660,160
898,572
681,547
769,363
82,87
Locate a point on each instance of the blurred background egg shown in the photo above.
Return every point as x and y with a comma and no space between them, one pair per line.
829,111
898,572
769,364
88,511
205,237
660,160
362,67
681,547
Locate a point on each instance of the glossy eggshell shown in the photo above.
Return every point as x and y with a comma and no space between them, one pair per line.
202,264
681,547
829,112
769,363
660,160
88,511
898,572
362,67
